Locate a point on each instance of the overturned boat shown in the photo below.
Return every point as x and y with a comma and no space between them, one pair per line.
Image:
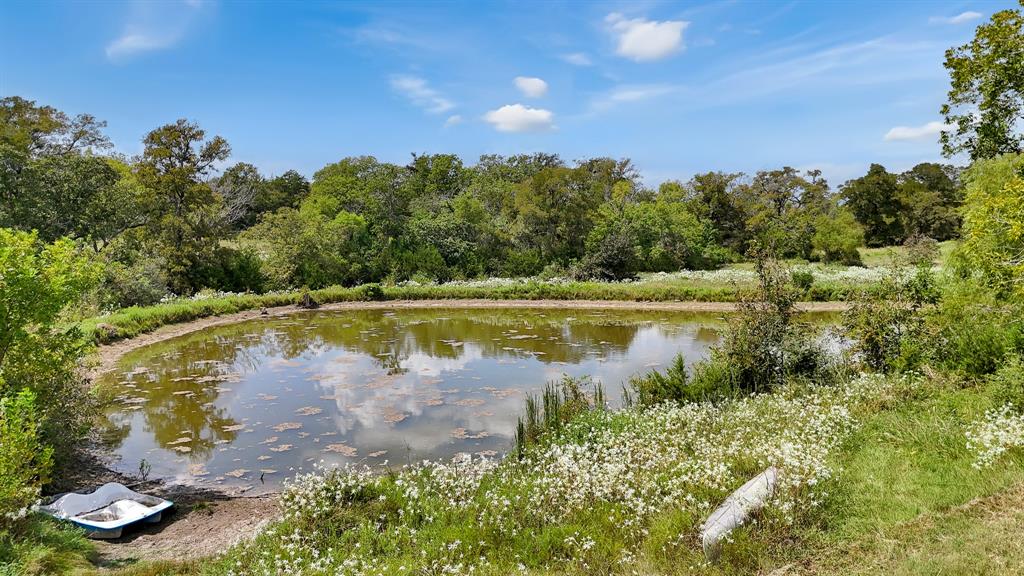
107,511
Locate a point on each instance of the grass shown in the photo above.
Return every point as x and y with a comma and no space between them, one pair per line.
42,547
721,286
910,501
907,501
875,257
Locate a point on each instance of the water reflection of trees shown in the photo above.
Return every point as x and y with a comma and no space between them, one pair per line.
176,393
186,376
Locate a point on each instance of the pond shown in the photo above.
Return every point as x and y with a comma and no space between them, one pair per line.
247,405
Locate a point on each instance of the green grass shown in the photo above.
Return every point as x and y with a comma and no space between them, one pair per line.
44,547
875,257
130,322
899,507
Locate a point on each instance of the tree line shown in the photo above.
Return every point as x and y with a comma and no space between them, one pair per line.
170,221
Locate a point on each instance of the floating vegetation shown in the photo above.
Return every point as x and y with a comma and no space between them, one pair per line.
285,426
463,434
343,449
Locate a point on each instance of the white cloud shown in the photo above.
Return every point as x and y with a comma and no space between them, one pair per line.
645,40
137,42
453,120
421,94
627,94
531,87
151,27
958,19
906,133
577,59
519,118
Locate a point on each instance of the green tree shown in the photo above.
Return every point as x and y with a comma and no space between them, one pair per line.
287,190
175,163
837,237
875,201
782,207
25,462
993,228
930,196
715,196
985,109
52,178
38,281
239,186
307,248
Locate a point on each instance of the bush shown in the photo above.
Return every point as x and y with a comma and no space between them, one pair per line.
655,387
1008,383
764,346
837,237
710,381
886,323
972,331
25,462
142,283
372,292
233,271
802,279
920,250
39,281
558,404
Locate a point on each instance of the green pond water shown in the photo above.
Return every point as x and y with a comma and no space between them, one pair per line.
250,404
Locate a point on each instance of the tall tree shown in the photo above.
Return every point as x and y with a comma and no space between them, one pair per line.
930,196
48,169
783,206
985,110
175,164
239,187
715,196
874,200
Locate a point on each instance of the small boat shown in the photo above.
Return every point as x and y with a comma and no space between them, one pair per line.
107,511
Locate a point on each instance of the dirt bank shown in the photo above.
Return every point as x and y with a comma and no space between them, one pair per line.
108,355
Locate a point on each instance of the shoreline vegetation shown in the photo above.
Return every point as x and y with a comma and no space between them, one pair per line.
824,284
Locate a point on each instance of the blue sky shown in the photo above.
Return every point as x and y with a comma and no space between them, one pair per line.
679,87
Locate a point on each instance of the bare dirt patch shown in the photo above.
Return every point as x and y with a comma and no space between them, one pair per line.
199,526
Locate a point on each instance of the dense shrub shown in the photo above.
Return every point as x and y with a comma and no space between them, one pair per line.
971,330
25,461
372,292
39,281
993,226
920,250
837,237
764,346
802,279
1008,383
886,324
139,284
559,403
655,387
709,380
